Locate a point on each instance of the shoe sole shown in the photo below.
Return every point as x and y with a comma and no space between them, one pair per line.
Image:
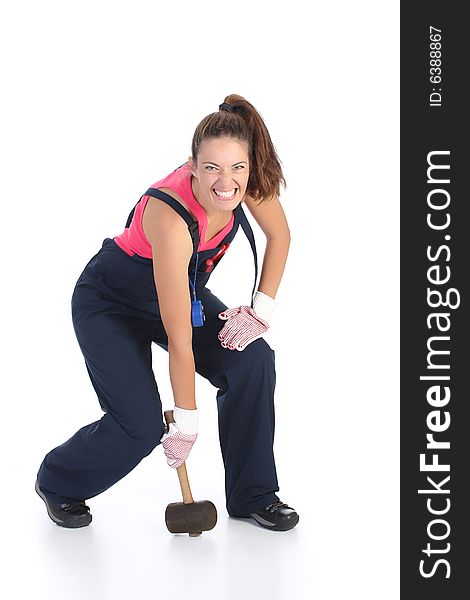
57,521
282,526
289,524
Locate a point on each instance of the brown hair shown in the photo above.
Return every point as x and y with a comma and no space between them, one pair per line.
239,119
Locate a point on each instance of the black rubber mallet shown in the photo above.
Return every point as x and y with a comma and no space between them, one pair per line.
188,516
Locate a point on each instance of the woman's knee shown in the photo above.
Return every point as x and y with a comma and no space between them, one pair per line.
150,436
141,435
259,351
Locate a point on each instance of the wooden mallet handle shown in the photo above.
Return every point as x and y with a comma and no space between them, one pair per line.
182,473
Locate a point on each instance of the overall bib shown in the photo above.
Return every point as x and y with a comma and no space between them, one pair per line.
116,318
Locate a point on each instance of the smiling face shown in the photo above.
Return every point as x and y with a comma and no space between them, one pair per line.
220,174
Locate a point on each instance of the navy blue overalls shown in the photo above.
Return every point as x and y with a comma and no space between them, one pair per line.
116,318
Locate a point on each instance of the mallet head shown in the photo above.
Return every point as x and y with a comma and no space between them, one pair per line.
192,518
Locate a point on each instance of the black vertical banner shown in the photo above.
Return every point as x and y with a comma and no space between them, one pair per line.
435,314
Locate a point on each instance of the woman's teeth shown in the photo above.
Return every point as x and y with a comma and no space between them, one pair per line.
225,195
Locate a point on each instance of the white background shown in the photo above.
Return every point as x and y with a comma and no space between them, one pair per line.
100,99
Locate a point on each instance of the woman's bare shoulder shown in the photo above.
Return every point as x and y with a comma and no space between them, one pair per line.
160,221
178,198
269,215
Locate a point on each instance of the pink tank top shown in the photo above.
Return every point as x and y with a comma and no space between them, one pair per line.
133,239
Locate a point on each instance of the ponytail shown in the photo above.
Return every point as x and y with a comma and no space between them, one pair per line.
239,119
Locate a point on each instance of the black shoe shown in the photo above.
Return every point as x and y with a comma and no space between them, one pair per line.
73,515
276,516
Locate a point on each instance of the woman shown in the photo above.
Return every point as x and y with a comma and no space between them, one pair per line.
134,291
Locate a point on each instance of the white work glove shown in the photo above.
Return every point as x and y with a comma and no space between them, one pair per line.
245,324
182,434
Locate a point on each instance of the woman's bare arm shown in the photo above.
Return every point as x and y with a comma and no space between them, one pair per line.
271,218
172,248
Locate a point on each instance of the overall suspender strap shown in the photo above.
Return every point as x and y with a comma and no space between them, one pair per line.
251,238
129,218
192,224
172,202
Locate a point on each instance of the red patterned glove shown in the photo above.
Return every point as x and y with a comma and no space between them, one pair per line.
243,326
182,434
